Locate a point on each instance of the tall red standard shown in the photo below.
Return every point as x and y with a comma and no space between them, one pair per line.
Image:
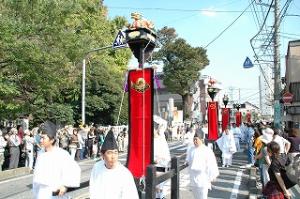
248,117
225,117
140,147
238,118
212,114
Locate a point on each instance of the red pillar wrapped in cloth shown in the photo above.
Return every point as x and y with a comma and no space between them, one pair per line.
225,117
140,147
212,114
248,117
238,118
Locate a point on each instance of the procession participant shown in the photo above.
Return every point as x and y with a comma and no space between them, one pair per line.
162,156
109,178
55,170
202,166
237,134
227,146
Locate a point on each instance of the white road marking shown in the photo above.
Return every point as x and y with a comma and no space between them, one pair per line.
237,183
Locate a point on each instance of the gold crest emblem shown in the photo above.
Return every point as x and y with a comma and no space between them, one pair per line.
140,85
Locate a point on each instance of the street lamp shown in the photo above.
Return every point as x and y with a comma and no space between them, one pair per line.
83,81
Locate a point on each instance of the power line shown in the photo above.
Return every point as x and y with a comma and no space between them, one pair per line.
177,9
219,35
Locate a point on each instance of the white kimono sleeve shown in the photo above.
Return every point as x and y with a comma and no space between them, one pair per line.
130,191
71,172
213,170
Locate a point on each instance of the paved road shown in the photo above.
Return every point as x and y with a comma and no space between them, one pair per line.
232,182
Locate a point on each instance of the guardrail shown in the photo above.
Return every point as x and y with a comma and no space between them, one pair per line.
152,179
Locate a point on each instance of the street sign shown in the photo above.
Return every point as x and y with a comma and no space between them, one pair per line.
119,41
247,63
287,97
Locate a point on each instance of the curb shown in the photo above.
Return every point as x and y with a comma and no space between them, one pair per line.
12,173
253,191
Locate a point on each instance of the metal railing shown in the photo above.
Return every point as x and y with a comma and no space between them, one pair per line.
153,179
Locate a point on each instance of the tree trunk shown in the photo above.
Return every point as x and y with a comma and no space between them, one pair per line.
187,101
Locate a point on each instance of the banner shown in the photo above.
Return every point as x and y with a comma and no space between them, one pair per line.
140,146
248,117
212,114
225,117
238,118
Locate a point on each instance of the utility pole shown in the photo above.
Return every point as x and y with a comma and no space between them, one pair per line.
260,94
277,82
83,93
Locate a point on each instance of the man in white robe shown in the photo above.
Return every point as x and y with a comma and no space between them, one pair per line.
237,134
55,170
202,165
109,178
227,146
162,156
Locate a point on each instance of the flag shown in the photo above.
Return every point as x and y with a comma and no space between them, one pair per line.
248,117
225,117
212,120
238,118
140,103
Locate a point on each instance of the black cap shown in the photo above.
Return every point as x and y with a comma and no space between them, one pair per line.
109,142
199,133
48,128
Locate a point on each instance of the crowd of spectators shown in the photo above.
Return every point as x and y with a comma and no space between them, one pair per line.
20,148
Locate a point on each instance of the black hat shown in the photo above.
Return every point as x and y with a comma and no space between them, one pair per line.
48,128
199,133
109,142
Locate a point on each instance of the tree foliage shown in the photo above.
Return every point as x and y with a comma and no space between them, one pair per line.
182,64
42,44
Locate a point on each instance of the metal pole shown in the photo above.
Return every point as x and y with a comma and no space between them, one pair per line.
83,93
277,82
260,94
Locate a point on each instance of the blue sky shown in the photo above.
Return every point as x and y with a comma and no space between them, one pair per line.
199,28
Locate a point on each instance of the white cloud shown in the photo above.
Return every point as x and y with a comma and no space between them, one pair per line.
209,12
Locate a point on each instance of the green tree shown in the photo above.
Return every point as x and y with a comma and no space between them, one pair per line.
182,64
42,44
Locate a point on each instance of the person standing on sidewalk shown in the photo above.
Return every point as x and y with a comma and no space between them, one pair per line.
14,148
55,170
3,144
277,187
109,178
202,166
28,145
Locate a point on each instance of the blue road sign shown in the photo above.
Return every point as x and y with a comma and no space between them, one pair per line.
247,63
119,41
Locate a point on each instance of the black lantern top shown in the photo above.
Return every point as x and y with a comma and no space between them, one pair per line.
238,106
225,100
140,37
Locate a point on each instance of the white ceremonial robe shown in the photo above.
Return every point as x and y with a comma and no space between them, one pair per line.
54,169
226,144
117,183
162,157
203,169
